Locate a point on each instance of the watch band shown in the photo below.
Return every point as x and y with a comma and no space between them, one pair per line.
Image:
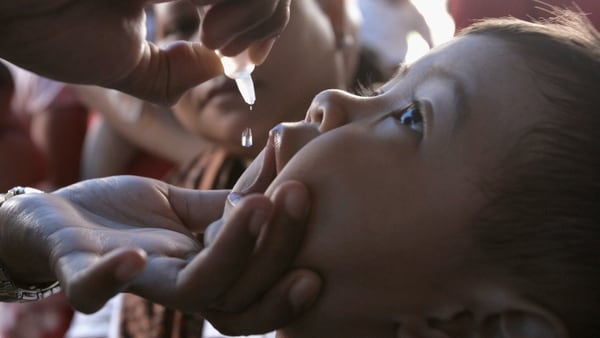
18,191
9,292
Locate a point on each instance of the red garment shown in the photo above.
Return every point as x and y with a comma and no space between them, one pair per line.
465,12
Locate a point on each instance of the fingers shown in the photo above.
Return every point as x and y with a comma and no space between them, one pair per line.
233,26
278,244
197,208
285,301
260,50
88,289
163,75
217,267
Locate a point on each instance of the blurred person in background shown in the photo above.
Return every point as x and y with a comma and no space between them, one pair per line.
386,27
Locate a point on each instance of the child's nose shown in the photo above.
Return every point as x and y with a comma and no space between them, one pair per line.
330,109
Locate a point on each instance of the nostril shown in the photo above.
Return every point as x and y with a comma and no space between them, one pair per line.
318,116
314,114
328,110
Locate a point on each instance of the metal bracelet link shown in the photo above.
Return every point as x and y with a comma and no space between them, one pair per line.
17,191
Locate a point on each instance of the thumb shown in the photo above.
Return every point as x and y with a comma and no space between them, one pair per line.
89,289
260,50
162,75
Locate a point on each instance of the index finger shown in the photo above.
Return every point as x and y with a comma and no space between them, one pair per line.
162,75
219,266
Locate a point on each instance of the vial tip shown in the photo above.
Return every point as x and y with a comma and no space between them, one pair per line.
246,87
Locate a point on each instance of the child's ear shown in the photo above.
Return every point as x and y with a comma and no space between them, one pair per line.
495,311
529,323
519,324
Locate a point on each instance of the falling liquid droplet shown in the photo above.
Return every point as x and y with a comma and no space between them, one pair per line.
247,138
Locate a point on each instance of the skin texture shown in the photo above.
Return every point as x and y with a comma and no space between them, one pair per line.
132,234
284,89
213,112
389,224
65,32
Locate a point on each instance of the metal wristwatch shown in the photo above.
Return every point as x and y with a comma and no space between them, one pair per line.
9,291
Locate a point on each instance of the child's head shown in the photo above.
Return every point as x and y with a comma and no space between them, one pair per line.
461,199
312,54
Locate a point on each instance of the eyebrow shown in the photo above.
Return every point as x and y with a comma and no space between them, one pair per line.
461,102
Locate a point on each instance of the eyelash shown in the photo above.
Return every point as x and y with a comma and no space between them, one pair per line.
367,91
370,91
414,123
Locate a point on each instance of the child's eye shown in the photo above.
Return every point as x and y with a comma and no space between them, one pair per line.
411,117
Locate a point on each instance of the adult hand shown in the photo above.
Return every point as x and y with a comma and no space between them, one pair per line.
131,234
231,26
102,42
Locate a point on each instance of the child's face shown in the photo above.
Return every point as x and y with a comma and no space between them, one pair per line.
395,181
302,63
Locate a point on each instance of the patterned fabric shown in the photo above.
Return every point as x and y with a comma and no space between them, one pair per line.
214,169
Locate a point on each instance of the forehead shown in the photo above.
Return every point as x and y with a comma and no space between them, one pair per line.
482,76
483,97
471,59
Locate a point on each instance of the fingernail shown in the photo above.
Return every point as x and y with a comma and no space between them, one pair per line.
130,268
296,203
234,198
303,293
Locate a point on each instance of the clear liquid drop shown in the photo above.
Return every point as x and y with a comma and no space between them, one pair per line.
247,138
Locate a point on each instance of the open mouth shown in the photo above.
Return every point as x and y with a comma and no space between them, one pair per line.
267,172
284,142
264,175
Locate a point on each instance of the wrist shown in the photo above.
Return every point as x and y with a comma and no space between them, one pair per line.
9,290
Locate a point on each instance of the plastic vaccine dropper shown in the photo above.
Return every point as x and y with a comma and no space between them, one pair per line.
239,68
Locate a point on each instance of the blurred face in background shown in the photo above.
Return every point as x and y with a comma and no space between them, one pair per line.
305,60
